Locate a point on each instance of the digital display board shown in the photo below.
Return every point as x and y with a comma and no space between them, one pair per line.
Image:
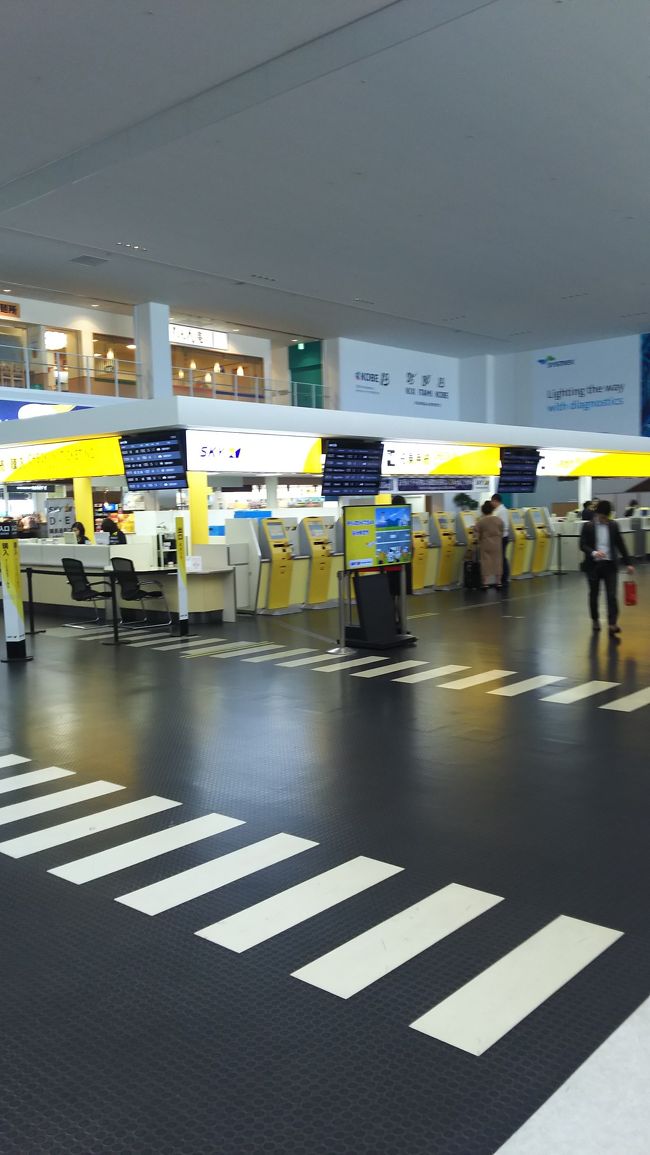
518,470
377,535
352,468
155,460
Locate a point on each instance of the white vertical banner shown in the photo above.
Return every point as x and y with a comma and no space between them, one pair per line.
12,593
181,565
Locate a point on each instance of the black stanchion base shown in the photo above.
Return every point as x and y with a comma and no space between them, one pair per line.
16,652
183,628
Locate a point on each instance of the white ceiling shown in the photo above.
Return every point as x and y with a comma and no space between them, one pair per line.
461,175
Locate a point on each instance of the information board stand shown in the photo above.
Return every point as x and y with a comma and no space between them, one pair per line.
382,618
12,595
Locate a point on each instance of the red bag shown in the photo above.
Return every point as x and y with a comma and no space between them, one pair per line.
629,593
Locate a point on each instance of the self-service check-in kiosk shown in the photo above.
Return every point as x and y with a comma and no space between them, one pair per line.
538,524
521,543
443,537
466,528
276,548
420,546
315,541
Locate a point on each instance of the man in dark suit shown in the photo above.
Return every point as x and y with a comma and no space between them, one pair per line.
601,542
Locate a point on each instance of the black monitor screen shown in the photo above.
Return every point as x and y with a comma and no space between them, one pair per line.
518,470
352,468
155,460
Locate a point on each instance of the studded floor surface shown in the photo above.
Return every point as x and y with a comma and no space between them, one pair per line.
256,898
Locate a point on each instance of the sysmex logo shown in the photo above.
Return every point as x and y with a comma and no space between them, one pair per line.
373,378
551,362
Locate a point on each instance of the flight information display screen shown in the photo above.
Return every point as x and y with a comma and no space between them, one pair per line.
352,468
377,535
518,470
155,460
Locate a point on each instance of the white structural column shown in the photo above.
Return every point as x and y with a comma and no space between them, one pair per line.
585,490
151,324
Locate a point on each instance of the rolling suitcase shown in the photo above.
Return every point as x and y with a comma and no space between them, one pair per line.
472,572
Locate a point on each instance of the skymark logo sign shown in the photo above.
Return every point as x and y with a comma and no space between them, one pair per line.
551,362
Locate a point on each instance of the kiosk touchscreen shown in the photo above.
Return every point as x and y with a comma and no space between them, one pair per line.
466,528
315,540
538,525
520,556
443,535
276,547
420,546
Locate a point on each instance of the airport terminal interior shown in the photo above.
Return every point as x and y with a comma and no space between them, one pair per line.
324,575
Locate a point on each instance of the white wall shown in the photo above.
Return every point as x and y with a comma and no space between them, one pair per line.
472,373
385,379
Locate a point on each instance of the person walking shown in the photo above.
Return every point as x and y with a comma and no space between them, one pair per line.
489,534
504,518
602,543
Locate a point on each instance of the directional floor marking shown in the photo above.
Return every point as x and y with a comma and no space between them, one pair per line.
631,702
349,665
586,690
357,964
143,849
83,827
392,669
426,675
209,876
282,911
12,760
284,654
476,680
530,684
32,778
47,802
480,1013
310,661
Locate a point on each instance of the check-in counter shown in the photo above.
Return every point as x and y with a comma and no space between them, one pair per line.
211,590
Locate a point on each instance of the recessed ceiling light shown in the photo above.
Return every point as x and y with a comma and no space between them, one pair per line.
7,290
94,306
131,346
235,330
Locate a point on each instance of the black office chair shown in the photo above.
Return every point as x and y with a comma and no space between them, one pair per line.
134,589
83,590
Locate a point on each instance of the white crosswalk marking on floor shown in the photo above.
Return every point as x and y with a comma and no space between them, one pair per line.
155,640
357,964
8,760
245,650
228,647
32,778
349,664
309,661
383,670
83,827
47,802
529,684
191,643
274,915
476,679
426,675
143,849
209,876
480,1013
88,635
586,690
630,703
284,654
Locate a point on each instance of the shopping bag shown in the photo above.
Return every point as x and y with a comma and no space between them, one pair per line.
629,593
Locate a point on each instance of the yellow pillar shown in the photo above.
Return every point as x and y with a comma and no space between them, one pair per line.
82,488
197,484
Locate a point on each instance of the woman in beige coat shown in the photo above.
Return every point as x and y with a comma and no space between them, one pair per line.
489,531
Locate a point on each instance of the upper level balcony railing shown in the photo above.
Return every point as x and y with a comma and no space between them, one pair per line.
62,372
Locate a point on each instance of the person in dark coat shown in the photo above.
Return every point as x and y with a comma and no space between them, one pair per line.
602,544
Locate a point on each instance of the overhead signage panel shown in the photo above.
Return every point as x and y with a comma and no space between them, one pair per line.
198,338
252,453
409,458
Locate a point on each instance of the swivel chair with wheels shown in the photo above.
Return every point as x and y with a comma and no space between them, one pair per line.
83,590
133,589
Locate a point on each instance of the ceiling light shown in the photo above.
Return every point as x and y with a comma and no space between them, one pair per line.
110,356
94,306
216,367
192,364
131,345
301,344
181,375
7,290
208,379
240,370
235,330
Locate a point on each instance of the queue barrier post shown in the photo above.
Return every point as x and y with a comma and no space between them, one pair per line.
340,647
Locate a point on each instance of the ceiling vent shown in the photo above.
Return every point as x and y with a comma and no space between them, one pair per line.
91,261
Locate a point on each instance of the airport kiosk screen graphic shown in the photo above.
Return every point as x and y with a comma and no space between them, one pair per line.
155,460
518,470
377,535
352,468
